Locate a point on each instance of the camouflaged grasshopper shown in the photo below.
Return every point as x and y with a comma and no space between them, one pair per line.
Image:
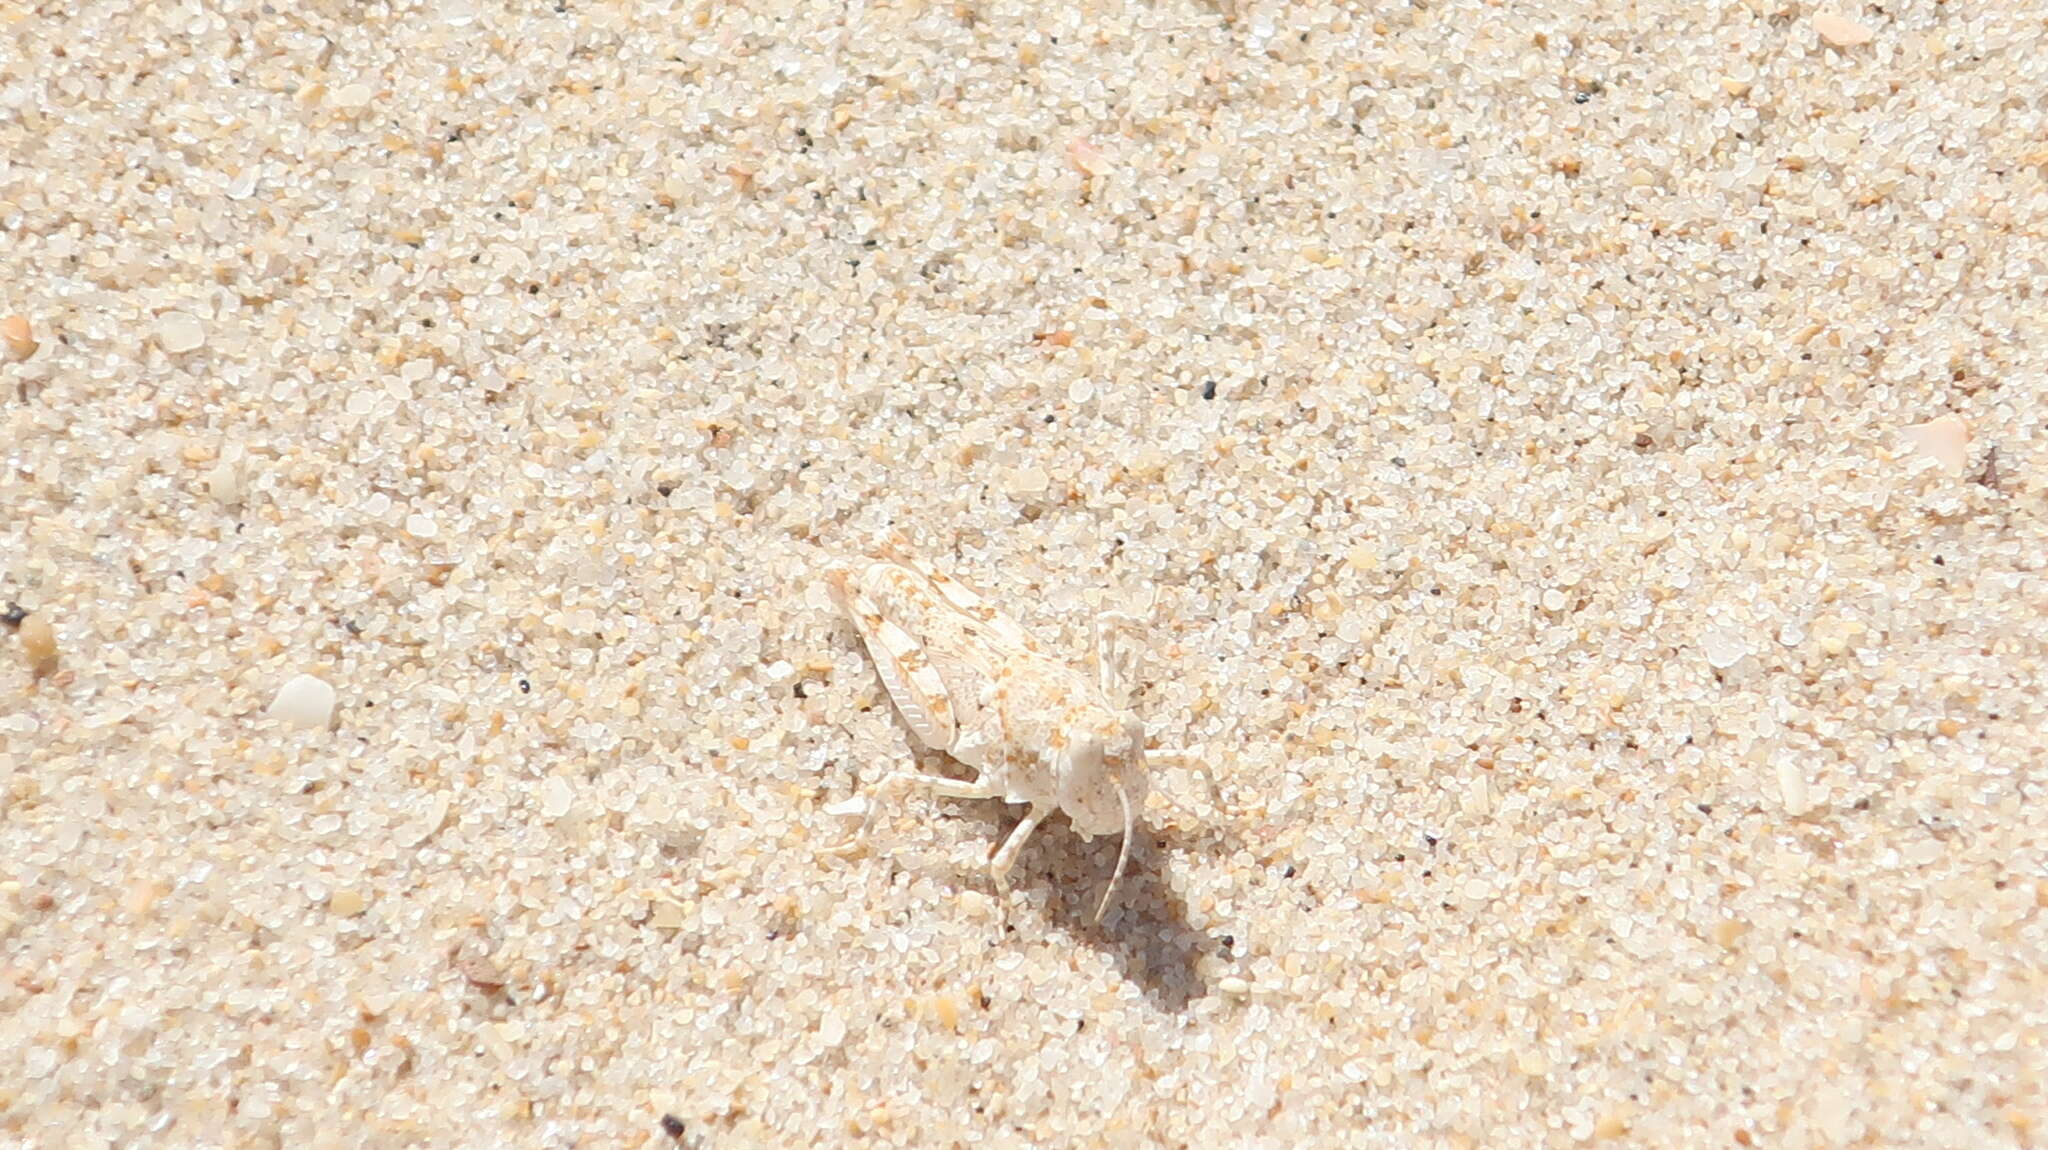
972,683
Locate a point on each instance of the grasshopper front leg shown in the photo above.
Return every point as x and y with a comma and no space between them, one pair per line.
1006,855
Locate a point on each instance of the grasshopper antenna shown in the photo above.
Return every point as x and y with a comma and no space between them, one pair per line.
1123,853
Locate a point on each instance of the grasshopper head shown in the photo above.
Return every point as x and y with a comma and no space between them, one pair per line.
1104,785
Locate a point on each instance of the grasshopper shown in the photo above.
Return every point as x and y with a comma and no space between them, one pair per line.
969,681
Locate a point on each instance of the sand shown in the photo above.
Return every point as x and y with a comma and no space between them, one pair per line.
1578,469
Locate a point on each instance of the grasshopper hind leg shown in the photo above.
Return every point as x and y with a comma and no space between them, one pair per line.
898,780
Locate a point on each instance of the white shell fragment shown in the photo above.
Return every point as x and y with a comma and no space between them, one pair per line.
305,701
1840,31
177,333
1792,790
851,805
556,797
1945,440
1723,647
224,483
